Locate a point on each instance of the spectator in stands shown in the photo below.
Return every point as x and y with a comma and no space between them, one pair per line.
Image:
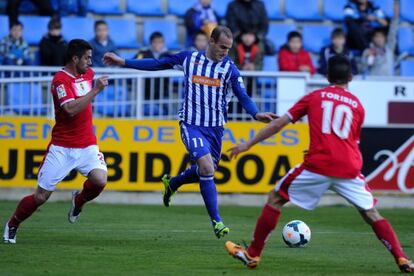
200,42
361,18
247,15
157,48
378,59
52,47
248,52
337,47
14,50
200,17
101,43
44,7
293,58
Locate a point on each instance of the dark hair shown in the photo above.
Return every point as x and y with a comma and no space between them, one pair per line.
54,23
156,35
99,22
76,47
379,31
337,32
16,23
293,34
217,31
339,69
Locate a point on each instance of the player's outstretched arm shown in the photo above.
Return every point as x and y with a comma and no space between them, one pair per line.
113,60
74,107
272,128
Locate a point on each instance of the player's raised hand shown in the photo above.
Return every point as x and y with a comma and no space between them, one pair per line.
112,59
234,151
266,117
101,83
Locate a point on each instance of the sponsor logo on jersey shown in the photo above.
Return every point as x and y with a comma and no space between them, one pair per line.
206,81
61,92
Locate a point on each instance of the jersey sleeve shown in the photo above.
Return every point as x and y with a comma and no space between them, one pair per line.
63,92
299,109
152,64
239,90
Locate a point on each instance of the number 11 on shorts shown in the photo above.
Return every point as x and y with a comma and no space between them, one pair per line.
200,142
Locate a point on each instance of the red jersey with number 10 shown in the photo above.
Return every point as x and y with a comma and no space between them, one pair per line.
335,118
76,131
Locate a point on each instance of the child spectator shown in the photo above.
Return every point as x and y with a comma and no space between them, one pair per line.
200,42
157,48
14,50
248,52
101,43
52,47
292,56
337,47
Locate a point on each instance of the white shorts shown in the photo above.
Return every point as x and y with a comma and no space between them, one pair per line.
304,189
59,162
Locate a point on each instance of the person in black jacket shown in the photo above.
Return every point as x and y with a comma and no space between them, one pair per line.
337,47
247,16
52,47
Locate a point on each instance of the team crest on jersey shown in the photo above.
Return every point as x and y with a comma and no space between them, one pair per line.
61,92
82,88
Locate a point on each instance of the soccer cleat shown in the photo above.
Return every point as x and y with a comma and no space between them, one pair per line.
168,192
9,235
74,212
405,265
240,253
220,230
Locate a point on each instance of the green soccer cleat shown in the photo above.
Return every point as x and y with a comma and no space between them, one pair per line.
168,193
220,230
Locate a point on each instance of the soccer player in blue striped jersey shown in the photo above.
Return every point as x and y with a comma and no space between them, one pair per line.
210,77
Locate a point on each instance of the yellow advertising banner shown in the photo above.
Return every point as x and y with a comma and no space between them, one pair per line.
138,153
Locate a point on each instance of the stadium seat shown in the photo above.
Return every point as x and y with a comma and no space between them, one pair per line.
168,27
105,7
316,36
273,9
151,8
407,10
302,10
269,64
127,54
4,26
123,32
407,68
387,6
334,9
179,7
77,27
278,33
27,7
104,102
23,97
406,40
220,6
33,38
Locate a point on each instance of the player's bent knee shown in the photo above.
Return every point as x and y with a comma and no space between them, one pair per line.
371,215
275,200
98,177
41,196
206,169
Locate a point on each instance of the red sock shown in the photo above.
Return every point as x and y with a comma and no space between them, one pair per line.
387,236
27,206
265,225
89,192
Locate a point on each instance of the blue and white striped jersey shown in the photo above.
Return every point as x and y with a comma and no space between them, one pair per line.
209,86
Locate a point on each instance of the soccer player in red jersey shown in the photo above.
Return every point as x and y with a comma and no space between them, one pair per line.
333,162
73,144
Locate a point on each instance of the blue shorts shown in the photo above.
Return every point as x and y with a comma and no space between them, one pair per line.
201,141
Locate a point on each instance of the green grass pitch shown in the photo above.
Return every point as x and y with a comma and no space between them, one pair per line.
148,240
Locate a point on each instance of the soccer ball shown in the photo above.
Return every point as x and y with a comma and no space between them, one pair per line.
296,234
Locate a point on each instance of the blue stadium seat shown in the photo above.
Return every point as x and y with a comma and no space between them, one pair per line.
151,8
105,7
334,9
220,6
269,64
387,6
407,10
302,10
127,54
179,7
316,36
406,40
4,26
77,27
273,9
168,27
22,97
278,33
407,68
104,102
123,32
27,7
33,38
